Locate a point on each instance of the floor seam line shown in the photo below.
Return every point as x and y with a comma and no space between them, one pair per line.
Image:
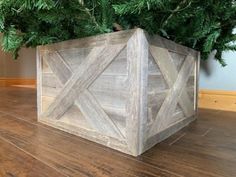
177,139
31,155
131,158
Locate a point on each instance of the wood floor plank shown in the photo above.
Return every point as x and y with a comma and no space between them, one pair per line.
190,163
16,163
72,156
20,102
206,148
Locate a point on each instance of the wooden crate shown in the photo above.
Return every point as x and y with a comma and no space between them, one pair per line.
126,90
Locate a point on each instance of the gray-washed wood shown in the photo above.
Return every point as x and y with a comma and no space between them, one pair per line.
39,81
137,56
92,111
51,80
170,73
86,73
96,116
156,138
110,83
169,105
91,42
112,88
114,84
196,83
75,56
171,46
58,66
156,82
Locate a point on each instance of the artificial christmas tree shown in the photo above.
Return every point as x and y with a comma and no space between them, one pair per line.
202,25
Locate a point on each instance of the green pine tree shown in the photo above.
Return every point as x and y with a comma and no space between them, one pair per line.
199,24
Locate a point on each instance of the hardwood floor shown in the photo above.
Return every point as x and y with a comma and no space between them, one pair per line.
206,148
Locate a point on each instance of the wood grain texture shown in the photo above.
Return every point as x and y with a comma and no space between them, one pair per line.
170,73
87,104
91,42
137,56
58,66
109,85
196,82
96,116
159,41
14,162
7,82
205,148
86,73
169,105
39,68
73,156
117,89
217,100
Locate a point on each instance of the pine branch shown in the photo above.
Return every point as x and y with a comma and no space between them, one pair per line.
91,16
210,40
202,25
12,41
177,9
133,6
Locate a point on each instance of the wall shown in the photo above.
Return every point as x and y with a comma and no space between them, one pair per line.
24,67
218,84
215,77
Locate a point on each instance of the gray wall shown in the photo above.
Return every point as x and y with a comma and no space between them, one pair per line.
23,67
215,77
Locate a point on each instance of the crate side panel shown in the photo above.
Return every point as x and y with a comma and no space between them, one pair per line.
168,111
107,92
157,89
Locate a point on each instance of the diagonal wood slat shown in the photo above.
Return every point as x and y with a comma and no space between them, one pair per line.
170,73
167,109
87,72
95,115
86,102
58,66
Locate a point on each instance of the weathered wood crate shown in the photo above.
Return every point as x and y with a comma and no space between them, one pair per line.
126,90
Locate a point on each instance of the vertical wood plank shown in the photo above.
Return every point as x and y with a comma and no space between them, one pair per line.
196,82
39,82
137,56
